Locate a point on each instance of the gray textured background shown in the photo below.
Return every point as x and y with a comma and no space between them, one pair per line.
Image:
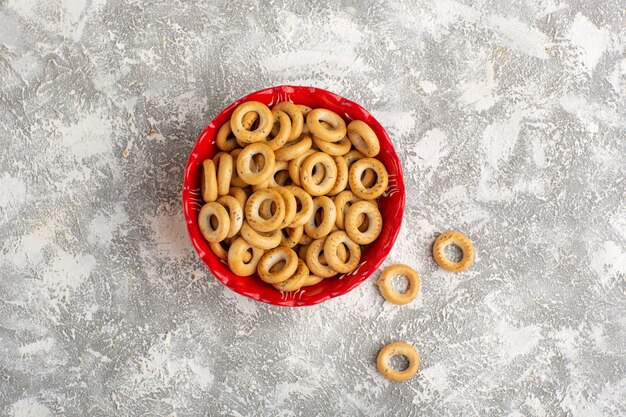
508,116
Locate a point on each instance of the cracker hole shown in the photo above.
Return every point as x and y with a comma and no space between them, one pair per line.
398,363
265,210
260,162
246,121
275,127
281,177
278,266
343,253
318,173
326,124
453,252
317,220
400,284
364,222
369,177
322,258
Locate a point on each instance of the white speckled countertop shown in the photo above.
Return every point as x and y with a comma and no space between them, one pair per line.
509,117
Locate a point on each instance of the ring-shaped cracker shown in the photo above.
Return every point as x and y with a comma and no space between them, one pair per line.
248,121
235,181
272,258
295,115
332,243
282,135
313,261
342,253
343,201
295,166
237,257
244,161
218,250
356,184
302,251
305,240
337,128
292,150
328,217
208,181
354,219
330,174
279,166
291,236
306,206
282,178
295,281
262,186
395,349
305,110
353,156
338,148
220,231
224,173
458,239
342,176
216,159
223,138
369,177
258,239
253,206
386,288
363,138
265,122
240,195
312,280
235,213
290,206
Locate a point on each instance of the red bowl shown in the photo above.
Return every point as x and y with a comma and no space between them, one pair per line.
391,203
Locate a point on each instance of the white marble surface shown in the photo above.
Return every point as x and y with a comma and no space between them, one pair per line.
508,116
